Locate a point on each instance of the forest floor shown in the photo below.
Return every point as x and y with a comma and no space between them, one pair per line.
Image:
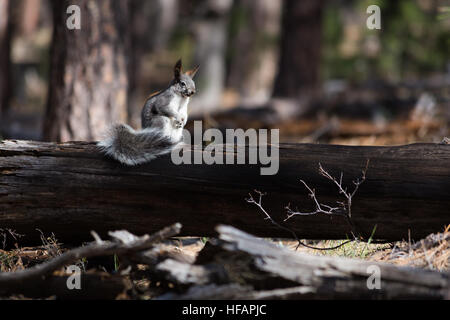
431,253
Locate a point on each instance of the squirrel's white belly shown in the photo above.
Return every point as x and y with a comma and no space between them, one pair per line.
182,111
179,106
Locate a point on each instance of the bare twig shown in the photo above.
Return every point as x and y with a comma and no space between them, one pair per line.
343,209
50,244
320,207
258,203
121,245
4,234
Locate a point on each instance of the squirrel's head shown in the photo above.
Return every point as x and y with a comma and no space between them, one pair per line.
183,83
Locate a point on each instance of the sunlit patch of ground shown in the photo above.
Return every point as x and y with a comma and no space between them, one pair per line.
431,253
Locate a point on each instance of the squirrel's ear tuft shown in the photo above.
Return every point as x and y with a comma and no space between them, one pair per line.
177,69
191,73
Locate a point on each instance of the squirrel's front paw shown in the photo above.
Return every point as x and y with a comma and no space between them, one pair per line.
178,123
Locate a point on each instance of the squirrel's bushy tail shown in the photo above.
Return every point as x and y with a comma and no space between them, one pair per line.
133,147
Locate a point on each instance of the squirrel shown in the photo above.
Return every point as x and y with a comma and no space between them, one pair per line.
163,118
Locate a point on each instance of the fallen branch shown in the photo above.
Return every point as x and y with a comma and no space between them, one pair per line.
123,243
240,266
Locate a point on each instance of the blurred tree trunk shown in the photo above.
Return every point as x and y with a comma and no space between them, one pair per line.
88,79
152,23
5,51
30,16
300,48
210,32
255,28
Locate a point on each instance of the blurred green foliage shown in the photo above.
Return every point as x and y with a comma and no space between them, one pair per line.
239,21
414,40
182,44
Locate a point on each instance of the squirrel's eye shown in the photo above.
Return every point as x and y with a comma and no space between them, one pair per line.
183,84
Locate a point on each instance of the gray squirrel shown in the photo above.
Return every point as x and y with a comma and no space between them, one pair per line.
163,117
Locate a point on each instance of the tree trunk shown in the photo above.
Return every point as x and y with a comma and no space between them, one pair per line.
210,32
5,51
300,48
30,16
254,49
70,189
88,81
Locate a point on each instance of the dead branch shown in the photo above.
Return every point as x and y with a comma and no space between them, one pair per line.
238,265
258,203
123,243
344,209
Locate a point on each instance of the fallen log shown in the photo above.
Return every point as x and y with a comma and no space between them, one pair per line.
241,266
70,189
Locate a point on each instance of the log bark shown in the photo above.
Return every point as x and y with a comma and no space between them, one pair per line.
70,189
